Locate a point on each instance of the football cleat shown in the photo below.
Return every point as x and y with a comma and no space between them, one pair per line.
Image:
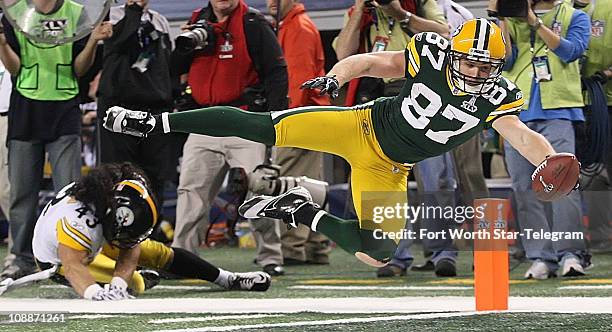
151,278
281,207
540,271
250,281
571,267
274,270
125,121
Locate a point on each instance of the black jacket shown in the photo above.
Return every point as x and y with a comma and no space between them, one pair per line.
122,85
265,52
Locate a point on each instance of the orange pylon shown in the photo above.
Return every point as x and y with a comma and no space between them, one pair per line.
491,275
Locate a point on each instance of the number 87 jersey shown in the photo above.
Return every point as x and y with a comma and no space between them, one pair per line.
440,107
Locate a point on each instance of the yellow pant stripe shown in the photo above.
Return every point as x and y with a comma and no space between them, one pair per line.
349,134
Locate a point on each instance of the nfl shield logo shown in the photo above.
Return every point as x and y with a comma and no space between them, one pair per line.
597,28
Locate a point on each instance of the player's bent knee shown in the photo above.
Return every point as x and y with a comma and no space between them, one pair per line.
154,255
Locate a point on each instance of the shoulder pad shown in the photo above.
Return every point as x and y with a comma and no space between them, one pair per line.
513,98
425,47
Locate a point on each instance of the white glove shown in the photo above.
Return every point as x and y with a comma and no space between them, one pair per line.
125,121
5,284
118,288
108,293
116,293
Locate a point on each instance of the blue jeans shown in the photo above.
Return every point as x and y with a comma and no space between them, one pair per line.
26,162
563,215
437,186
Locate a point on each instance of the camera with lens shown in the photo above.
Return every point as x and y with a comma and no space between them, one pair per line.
200,37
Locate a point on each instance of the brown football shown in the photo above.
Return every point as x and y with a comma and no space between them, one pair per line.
555,177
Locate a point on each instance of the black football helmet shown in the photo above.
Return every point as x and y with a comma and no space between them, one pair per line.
132,215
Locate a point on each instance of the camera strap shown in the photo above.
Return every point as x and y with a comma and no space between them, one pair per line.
532,33
540,64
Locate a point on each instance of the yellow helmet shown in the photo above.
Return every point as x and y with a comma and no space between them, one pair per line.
480,42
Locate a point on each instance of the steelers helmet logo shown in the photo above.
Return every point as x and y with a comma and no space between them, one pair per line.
134,216
125,216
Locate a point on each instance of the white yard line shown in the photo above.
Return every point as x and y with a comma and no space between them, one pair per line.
209,318
95,316
325,287
587,287
160,287
179,287
54,286
386,305
325,322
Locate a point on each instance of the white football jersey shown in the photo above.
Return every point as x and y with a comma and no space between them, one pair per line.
69,222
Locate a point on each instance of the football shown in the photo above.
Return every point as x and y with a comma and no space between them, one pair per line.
555,177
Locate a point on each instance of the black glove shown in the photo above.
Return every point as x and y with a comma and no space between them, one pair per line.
328,85
600,77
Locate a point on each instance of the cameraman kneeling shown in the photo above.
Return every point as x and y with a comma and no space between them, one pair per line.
231,57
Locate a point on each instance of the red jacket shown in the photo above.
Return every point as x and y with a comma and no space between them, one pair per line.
301,44
220,77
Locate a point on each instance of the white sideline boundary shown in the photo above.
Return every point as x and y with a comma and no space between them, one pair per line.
388,305
210,318
427,288
158,287
325,322
587,287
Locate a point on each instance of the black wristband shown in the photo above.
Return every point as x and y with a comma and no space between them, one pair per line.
158,129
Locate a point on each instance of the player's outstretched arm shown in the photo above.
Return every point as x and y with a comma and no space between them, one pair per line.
77,273
380,64
389,64
127,261
74,268
531,145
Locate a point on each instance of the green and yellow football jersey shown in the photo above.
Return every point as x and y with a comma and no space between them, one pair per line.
430,116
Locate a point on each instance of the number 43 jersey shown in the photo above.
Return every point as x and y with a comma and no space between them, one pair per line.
429,116
69,222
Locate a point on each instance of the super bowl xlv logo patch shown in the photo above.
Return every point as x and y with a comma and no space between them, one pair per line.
470,105
54,27
597,28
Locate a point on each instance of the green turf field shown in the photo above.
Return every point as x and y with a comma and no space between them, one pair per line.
344,270
487,322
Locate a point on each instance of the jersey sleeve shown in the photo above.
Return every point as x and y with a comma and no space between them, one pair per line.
69,234
512,104
413,60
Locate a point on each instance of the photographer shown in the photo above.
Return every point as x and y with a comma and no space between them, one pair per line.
597,69
231,57
136,71
374,26
541,54
44,118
